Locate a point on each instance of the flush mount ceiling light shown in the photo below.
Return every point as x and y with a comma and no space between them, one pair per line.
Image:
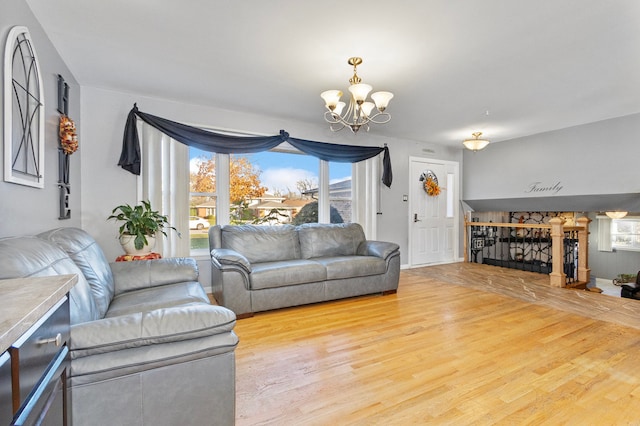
475,144
359,111
616,214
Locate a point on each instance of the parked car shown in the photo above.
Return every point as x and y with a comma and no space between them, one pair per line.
196,222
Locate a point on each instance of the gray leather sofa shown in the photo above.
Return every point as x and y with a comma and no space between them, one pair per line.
258,268
146,346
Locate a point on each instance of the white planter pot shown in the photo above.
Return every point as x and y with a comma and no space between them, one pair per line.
127,243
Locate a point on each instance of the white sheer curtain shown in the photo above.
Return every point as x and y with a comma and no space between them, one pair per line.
366,195
604,233
164,181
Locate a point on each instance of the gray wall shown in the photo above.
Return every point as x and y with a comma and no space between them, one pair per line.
26,210
594,164
573,169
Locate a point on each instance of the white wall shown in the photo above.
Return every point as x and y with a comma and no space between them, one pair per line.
106,185
25,210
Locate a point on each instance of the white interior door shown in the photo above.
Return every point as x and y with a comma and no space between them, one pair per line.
433,220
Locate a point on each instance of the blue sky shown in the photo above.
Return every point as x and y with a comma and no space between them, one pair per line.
280,172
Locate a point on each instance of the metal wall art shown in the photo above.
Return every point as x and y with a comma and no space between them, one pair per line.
24,113
68,145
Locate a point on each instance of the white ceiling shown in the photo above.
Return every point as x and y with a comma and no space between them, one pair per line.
508,68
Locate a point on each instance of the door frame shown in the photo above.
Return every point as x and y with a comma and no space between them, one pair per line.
456,207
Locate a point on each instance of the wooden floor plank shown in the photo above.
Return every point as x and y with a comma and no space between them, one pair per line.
458,344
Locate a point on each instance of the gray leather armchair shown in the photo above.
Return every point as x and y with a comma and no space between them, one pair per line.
147,347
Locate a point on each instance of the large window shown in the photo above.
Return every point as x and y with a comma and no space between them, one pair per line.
273,187
625,233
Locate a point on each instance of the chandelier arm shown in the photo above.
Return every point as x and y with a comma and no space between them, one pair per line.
331,117
335,119
385,117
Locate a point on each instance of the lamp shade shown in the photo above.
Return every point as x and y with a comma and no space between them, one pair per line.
331,98
382,99
366,108
616,214
360,91
475,144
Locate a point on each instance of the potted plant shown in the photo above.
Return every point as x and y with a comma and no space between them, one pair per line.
140,226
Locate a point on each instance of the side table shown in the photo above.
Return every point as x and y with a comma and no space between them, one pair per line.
129,257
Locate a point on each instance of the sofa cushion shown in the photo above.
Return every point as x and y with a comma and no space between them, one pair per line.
87,254
141,274
262,243
284,273
352,266
152,298
138,329
23,257
325,240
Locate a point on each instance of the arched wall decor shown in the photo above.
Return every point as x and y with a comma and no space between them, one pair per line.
23,111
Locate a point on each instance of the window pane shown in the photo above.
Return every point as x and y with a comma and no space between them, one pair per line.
450,189
202,197
625,233
290,183
340,200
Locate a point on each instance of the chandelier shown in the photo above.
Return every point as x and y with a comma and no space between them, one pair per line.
475,144
359,111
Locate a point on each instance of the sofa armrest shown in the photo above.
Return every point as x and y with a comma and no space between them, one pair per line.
382,249
227,258
139,274
160,326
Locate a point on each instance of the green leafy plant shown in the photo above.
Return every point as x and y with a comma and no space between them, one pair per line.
140,221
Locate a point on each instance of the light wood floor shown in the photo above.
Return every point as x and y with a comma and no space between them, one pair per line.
458,344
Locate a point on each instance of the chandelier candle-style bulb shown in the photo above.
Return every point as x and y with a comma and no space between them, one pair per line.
359,111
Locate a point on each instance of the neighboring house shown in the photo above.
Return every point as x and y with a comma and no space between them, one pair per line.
206,209
287,207
339,197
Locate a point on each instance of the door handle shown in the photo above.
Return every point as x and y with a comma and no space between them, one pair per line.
415,218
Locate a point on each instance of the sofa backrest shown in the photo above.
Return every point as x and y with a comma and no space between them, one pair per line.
89,257
24,257
262,243
326,240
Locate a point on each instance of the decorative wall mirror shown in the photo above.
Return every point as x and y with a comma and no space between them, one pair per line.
23,111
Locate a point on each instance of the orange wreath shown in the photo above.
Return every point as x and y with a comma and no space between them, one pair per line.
430,183
68,135
431,187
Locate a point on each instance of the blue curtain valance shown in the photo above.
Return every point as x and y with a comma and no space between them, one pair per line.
225,144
